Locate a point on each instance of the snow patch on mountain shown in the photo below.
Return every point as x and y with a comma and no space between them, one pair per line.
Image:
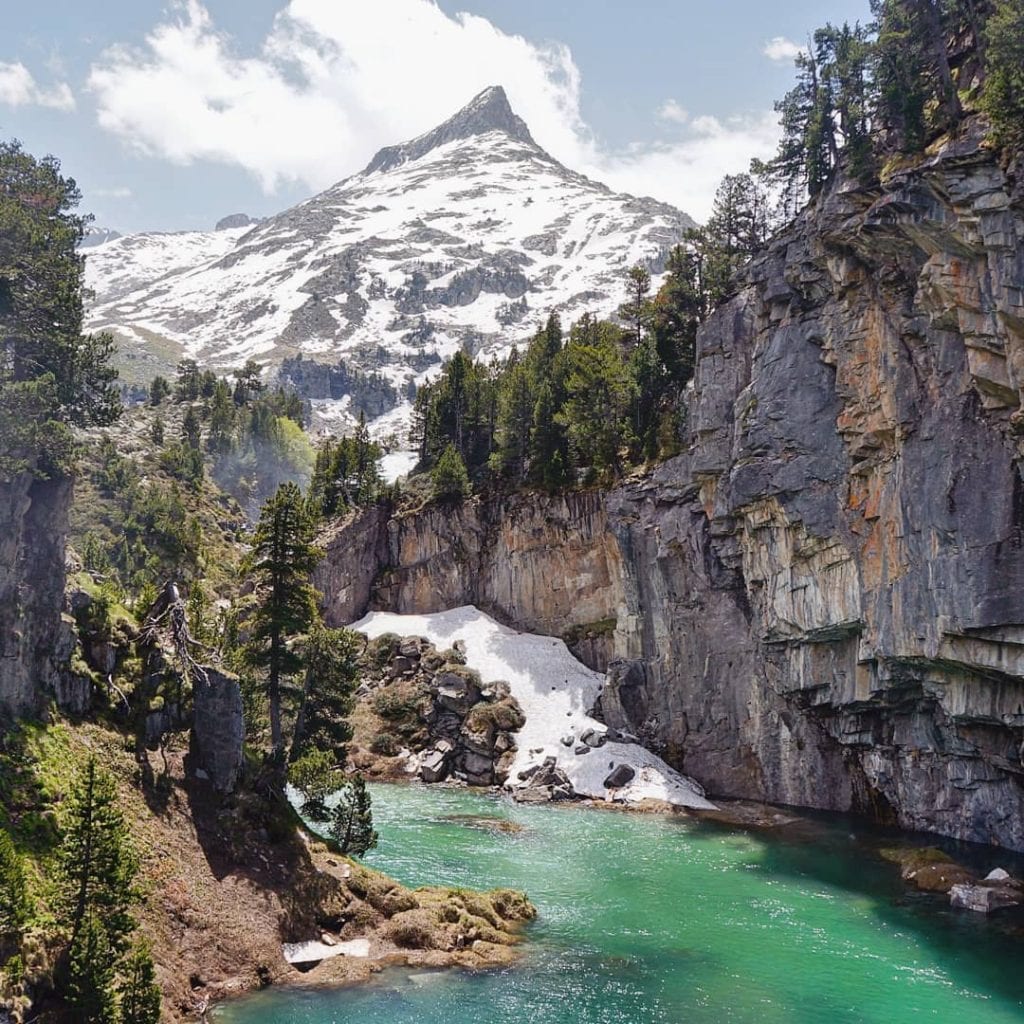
465,237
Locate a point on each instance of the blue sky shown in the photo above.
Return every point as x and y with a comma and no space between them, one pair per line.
171,115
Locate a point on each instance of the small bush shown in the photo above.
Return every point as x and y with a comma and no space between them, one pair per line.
413,929
386,744
400,702
505,716
382,649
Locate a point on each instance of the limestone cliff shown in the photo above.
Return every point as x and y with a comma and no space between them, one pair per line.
822,601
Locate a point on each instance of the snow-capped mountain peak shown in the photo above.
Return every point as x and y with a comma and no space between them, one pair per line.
466,236
487,112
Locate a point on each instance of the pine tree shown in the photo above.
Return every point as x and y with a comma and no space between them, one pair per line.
96,864
636,310
52,376
449,478
515,417
223,420
140,994
282,558
159,389
330,666
679,308
352,822
156,431
249,382
89,985
190,429
14,906
598,391
547,458
1003,95
187,387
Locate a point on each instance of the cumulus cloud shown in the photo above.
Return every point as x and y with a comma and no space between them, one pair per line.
18,88
671,111
780,48
336,79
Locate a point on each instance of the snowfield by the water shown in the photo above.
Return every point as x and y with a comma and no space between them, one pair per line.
555,692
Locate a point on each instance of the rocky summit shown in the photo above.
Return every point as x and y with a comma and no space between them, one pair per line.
461,238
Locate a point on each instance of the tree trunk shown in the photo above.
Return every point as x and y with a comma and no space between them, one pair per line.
274,695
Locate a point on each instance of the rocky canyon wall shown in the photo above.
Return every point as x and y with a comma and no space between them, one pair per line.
822,601
36,637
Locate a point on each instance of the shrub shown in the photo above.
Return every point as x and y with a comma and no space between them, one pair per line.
386,744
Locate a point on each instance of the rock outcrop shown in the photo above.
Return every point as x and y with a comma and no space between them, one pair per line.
547,563
435,714
37,638
821,602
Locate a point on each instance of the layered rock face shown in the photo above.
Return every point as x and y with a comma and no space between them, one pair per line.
822,602
36,638
546,563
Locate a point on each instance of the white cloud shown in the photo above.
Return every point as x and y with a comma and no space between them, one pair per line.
782,49
670,110
19,89
336,79
116,192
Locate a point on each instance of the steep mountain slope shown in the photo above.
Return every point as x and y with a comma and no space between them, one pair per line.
821,602
452,239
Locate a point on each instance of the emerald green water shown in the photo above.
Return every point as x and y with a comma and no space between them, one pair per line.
645,919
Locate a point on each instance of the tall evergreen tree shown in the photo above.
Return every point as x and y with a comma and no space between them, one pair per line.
187,387
1003,95
547,448
330,666
449,477
515,417
140,994
352,821
89,985
51,374
159,389
598,390
679,308
96,864
282,558
635,312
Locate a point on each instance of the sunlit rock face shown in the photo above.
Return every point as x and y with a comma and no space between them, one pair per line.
822,601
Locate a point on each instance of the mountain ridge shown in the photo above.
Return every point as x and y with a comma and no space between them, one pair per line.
460,238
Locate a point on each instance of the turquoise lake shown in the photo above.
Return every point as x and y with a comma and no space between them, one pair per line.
649,919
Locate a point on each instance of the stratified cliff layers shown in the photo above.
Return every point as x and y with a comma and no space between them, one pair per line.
822,602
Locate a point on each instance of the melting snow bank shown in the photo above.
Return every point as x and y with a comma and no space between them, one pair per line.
314,951
555,692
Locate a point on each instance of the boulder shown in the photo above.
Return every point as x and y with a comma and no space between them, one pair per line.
593,738
997,875
983,899
435,763
478,769
401,666
620,775
412,647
